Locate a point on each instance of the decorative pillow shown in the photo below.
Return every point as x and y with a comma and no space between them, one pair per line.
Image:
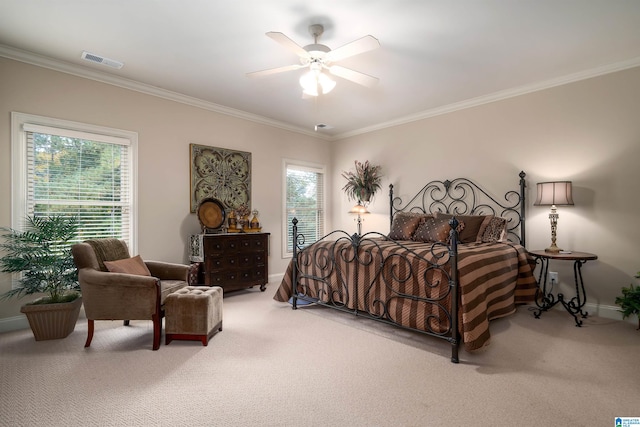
472,225
495,231
133,265
435,230
483,227
404,224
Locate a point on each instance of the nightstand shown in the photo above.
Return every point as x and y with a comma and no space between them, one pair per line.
545,299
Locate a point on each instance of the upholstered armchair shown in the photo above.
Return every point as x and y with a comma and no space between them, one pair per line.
117,287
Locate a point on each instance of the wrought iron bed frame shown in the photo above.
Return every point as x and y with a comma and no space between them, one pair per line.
457,197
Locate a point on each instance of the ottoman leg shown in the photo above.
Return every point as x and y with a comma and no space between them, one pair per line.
206,338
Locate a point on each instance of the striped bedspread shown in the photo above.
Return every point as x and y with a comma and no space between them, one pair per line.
407,283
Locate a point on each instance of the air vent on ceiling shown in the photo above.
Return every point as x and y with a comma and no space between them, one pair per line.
92,57
321,126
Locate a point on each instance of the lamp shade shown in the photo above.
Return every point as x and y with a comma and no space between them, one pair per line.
359,209
554,193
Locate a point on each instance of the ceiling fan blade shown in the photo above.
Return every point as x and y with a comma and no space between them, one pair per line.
354,76
270,71
356,47
288,43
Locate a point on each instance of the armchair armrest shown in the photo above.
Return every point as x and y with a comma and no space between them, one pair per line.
117,295
168,271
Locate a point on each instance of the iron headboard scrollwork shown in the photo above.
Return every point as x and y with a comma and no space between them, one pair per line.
462,196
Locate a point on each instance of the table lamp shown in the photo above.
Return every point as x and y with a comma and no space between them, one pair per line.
556,193
359,209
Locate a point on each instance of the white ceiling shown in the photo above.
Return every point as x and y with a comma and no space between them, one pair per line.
435,55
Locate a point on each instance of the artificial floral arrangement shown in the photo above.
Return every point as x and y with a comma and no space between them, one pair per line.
362,184
630,301
239,220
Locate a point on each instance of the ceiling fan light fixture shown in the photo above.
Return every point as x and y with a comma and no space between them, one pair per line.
315,82
319,58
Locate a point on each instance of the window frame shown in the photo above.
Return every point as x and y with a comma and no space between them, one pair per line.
19,168
314,167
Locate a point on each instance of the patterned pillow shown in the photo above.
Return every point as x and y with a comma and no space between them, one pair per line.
435,230
483,227
472,226
404,225
495,231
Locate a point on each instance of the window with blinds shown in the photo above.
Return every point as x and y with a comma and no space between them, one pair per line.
71,172
304,201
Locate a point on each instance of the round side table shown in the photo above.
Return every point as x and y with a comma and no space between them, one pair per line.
545,298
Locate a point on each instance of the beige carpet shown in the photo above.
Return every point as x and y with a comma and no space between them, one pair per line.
272,366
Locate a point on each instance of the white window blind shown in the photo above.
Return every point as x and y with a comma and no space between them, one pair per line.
304,201
82,174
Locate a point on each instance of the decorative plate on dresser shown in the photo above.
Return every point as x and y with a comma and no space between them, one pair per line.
211,215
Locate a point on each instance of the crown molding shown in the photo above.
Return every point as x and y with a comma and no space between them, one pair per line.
498,96
79,71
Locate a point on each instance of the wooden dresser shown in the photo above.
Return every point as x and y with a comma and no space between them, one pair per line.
236,260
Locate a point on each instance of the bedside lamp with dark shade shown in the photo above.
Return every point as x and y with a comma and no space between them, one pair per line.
556,193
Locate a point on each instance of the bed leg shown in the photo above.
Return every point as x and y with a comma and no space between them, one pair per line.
454,352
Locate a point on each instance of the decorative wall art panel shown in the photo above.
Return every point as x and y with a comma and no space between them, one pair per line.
221,174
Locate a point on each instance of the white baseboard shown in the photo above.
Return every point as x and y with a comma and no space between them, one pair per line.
276,278
608,312
14,323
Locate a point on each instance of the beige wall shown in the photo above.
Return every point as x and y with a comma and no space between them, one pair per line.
165,129
587,132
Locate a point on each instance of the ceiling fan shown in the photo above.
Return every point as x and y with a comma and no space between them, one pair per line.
319,58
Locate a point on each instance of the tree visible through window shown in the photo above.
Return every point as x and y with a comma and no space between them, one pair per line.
304,201
72,172
83,178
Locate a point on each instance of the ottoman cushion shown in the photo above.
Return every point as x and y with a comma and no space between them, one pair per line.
193,313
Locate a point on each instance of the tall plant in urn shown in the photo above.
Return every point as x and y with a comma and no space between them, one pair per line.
41,257
362,184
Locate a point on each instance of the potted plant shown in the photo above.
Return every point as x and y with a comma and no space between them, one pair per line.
362,184
41,254
630,301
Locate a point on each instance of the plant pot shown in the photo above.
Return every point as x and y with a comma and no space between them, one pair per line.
52,321
364,196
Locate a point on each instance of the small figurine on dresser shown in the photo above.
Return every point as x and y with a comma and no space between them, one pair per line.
255,223
240,223
232,221
244,220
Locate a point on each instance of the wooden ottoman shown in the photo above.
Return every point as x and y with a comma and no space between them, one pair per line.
193,313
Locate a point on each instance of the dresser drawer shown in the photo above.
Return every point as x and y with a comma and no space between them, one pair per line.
229,278
256,243
221,245
251,259
220,262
